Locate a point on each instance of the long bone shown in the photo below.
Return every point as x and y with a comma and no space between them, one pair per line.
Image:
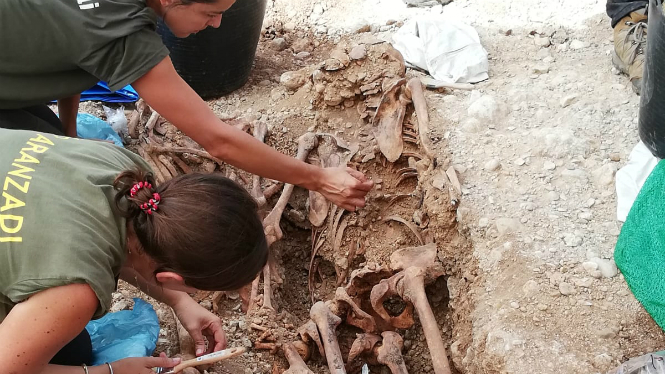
327,322
416,264
296,363
273,232
414,91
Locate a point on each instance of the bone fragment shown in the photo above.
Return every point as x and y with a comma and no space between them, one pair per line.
354,315
388,121
135,118
390,352
308,333
415,91
327,322
296,363
306,143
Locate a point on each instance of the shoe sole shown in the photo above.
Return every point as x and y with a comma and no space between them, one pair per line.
616,61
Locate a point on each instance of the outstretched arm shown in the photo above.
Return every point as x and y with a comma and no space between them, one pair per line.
164,90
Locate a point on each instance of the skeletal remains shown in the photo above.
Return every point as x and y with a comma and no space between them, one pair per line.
360,303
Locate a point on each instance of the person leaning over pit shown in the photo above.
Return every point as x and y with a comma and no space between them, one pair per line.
55,49
76,215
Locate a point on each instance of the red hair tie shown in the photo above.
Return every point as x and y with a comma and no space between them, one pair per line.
151,205
135,189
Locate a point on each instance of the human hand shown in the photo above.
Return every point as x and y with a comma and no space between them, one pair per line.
200,322
143,365
345,187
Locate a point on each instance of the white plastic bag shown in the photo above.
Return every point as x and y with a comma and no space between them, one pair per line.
449,50
631,178
117,119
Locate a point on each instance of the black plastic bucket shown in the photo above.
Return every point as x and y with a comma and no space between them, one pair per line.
215,62
652,100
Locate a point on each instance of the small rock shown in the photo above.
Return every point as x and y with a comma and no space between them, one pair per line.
542,307
572,240
606,333
278,44
553,196
293,79
507,225
317,9
471,125
607,268
515,305
492,165
604,175
543,53
483,108
302,55
206,304
541,69
358,52
531,288
566,289
585,216
549,165
289,26
483,222
616,157
542,41
590,266
302,45
566,101
362,28
519,162
602,362
578,44
589,203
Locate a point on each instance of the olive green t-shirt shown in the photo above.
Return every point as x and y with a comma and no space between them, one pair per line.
52,49
58,221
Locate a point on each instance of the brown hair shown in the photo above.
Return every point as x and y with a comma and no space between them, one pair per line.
206,228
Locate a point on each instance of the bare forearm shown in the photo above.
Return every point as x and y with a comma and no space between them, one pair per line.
67,110
246,152
169,95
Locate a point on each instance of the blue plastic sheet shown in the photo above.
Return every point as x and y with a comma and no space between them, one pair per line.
101,92
128,333
91,127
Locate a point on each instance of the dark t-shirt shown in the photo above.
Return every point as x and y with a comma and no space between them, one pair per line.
52,49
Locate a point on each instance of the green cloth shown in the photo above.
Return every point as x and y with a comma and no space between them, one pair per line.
53,49
640,249
58,221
